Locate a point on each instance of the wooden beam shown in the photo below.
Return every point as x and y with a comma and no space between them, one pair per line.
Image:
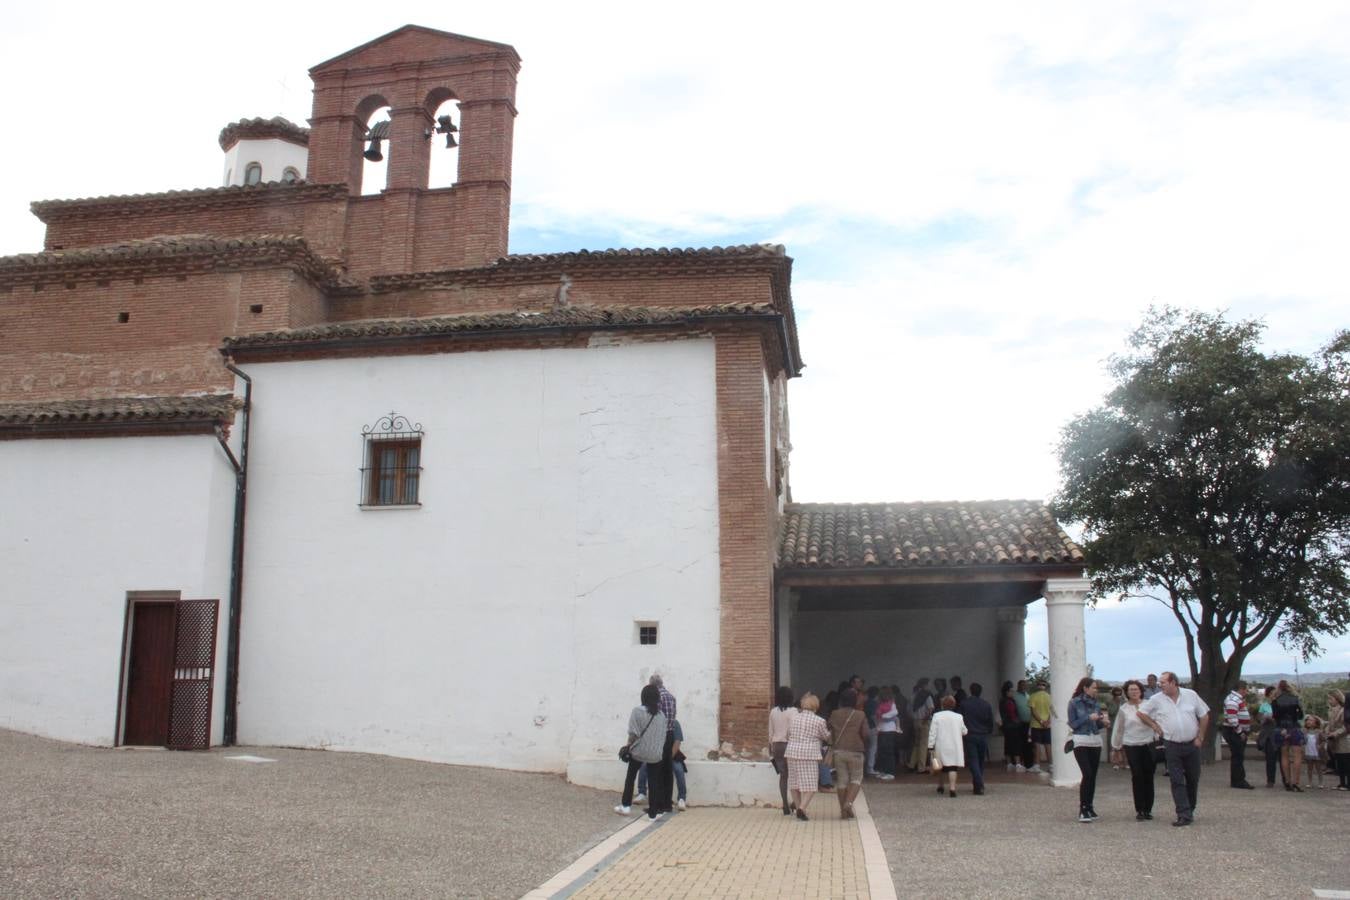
907,577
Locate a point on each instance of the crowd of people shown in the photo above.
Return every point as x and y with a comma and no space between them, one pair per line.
940,728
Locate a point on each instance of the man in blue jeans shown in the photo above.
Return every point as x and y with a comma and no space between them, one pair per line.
979,716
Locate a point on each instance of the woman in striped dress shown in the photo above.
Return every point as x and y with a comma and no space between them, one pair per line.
805,735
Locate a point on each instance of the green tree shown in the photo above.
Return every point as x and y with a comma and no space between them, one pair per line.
1215,479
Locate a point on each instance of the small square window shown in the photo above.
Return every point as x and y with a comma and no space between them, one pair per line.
647,633
391,473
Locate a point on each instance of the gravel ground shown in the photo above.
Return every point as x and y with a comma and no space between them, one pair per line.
85,822
1023,838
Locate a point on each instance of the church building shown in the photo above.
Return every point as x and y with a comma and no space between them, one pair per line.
286,462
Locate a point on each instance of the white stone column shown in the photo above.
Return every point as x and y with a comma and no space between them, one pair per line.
1064,599
1011,655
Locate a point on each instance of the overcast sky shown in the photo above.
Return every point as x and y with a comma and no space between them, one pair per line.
980,199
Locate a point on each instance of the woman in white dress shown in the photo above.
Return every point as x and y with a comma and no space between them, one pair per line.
946,739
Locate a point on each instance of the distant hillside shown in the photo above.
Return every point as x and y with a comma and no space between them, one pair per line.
1304,677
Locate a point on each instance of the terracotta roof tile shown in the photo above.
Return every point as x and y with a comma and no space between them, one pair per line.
118,410
565,317
225,253
212,197
737,250
261,129
919,535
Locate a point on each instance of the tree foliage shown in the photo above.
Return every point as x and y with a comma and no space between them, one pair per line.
1216,479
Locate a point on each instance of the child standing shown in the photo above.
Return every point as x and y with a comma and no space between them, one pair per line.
1312,749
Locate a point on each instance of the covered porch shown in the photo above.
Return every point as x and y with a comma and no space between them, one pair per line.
898,591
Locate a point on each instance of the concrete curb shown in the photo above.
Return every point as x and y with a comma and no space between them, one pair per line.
879,883
594,861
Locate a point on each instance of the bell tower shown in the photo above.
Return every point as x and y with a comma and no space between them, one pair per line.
416,72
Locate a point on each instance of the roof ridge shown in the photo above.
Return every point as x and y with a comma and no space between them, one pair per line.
232,191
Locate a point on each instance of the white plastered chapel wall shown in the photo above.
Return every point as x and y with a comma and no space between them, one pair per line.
84,521
566,494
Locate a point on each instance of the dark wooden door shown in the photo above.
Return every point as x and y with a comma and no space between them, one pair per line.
150,674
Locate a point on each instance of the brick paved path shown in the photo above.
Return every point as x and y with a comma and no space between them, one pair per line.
740,853
743,853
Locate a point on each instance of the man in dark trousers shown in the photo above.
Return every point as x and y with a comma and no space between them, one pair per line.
666,802
979,716
1180,718
1237,724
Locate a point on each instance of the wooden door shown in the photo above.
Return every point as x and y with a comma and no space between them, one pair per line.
150,674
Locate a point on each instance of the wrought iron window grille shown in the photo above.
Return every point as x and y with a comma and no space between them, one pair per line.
391,465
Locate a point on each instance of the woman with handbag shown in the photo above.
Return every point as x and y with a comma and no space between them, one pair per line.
1086,721
805,736
1136,739
848,724
946,738
646,741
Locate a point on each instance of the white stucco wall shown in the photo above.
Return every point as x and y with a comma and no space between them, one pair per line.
274,155
566,494
82,522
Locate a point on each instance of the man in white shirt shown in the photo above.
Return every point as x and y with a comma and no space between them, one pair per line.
1180,718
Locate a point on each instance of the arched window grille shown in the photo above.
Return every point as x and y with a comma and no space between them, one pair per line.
391,468
290,175
253,173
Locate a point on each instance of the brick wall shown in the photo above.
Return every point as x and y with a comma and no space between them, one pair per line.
65,343
662,289
281,213
747,532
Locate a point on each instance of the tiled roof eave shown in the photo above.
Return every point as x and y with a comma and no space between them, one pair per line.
650,262
121,416
409,332
185,200
172,254
262,129
111,427
958,537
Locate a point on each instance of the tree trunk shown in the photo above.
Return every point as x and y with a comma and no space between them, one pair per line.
1213,683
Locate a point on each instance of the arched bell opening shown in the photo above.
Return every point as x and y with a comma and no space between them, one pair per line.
443,107
373,113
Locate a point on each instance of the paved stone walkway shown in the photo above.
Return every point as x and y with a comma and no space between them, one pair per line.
743,853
